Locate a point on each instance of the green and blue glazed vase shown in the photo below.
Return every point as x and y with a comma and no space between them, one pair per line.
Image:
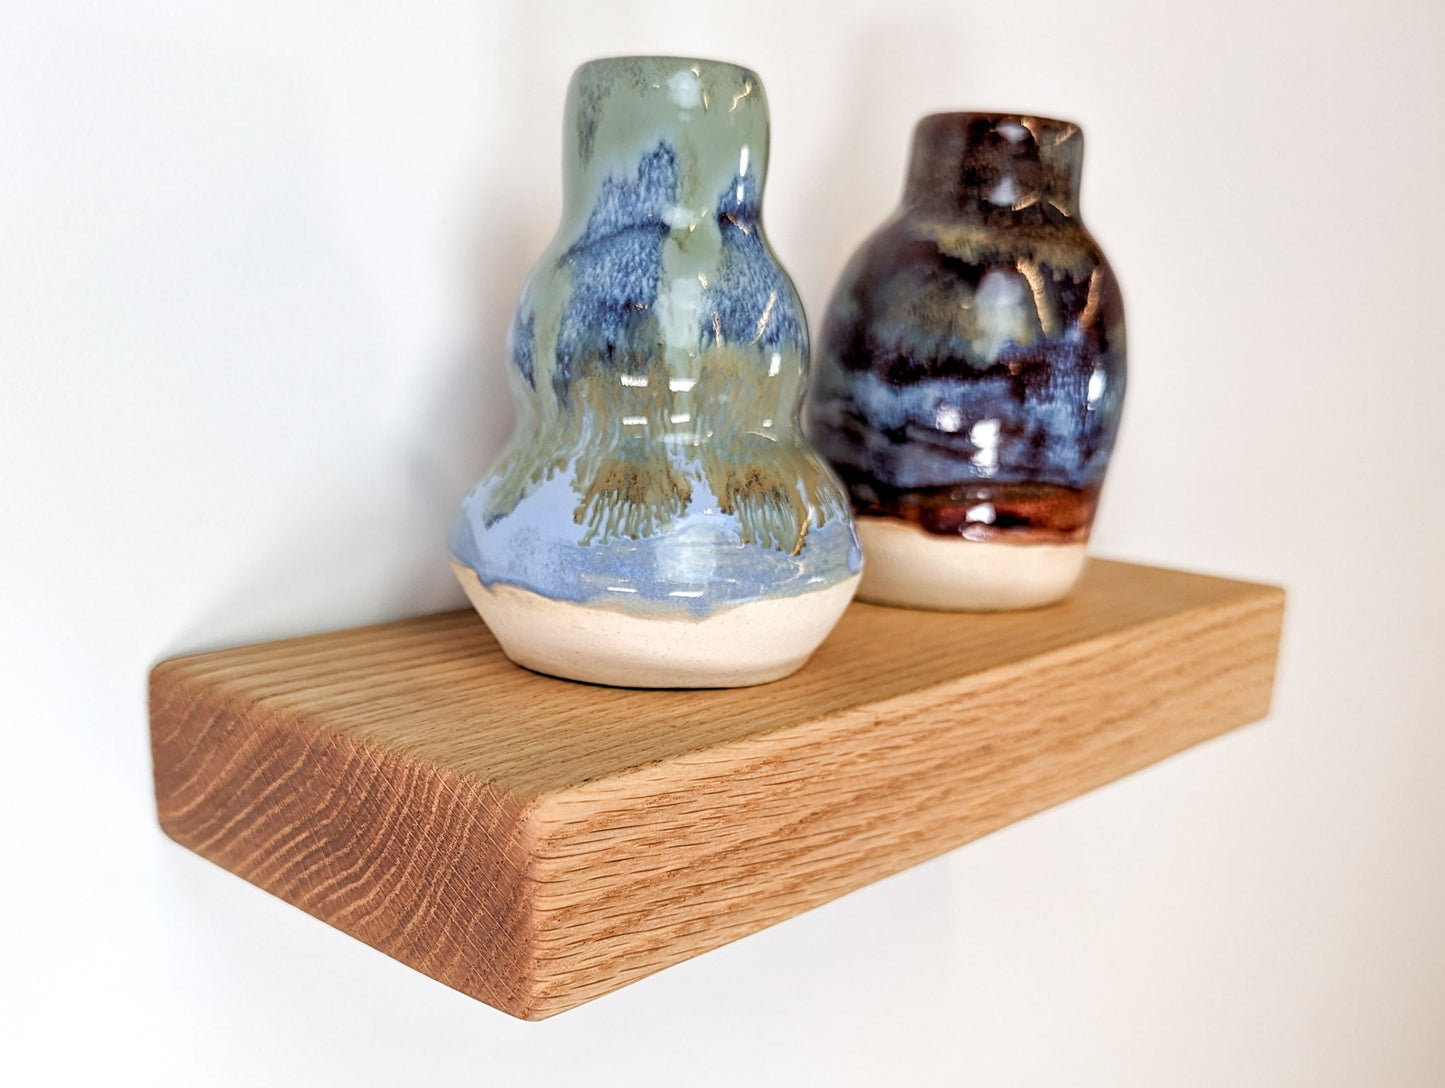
970,371
657,518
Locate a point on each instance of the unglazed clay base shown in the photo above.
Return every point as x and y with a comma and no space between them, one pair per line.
908,567
733,647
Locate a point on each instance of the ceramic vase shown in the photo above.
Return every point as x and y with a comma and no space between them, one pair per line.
970,371
658,519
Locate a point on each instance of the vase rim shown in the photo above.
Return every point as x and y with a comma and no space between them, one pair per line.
996,116
666,58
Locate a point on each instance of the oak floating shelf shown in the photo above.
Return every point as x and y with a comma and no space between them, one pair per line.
537,843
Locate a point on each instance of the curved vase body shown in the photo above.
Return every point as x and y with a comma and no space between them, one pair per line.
970,371
658,519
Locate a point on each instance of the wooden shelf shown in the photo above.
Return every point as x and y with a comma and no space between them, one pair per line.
537,843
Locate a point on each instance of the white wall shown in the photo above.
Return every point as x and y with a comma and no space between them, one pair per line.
256,260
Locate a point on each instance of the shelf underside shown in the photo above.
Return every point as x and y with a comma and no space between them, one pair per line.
537,843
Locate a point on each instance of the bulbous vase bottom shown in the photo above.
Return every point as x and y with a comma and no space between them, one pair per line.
909,567
736,646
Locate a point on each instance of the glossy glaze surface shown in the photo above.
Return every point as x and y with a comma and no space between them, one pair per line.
970,371
658,356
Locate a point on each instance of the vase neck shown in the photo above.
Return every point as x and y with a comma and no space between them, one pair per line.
664,138
995,165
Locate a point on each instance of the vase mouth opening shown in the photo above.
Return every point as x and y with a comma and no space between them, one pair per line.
1031,121
661,60
972,162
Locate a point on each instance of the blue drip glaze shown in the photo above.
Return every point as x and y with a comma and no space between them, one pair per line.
616,267
520,338
699,565
753,298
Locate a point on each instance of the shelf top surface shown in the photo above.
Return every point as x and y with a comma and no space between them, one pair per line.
439,687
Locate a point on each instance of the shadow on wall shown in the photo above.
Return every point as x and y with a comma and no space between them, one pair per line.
369,543
470,413
892,75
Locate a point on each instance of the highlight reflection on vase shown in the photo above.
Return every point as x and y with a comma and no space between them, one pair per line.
658,518
971,370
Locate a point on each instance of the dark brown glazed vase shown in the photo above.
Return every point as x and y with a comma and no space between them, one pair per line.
970,374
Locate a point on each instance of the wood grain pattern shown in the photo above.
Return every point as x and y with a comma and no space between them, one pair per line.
536,843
